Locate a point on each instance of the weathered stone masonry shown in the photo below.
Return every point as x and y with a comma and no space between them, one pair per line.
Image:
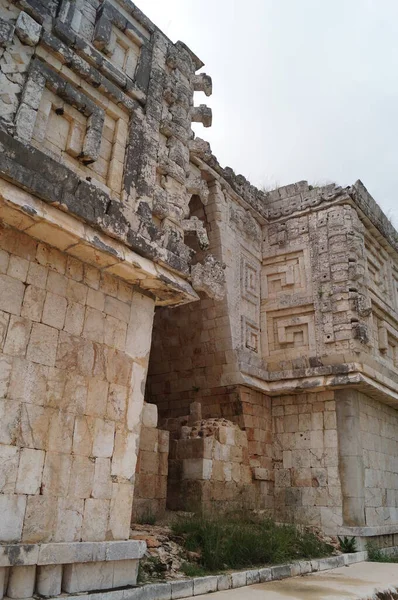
96,107
267,322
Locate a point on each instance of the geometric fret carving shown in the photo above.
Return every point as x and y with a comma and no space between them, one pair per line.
285,274
250,335
378,270
40,76
290,332
388,342
68,125
250,284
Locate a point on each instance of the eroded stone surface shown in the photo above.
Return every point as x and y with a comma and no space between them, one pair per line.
274,387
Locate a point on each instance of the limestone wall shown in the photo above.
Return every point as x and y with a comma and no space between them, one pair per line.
150,491
307,478
73,364
378,426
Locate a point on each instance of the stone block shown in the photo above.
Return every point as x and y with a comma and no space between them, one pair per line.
104,433
81,477
181,589
164,441
6,32
66,553
82,436
27,29
49,579
9,458
18,267
117,402
56,474
40,519
197,468
281,572
18,554
154,591
204,585
37,275
136,396
97,397
11,294
120,511
85,577
10,415
12,510
124,550
68,520
95,519
224,582
5,373
21,582
54,310
150,415
3,581
17,336
138,339
125,573
102,485
305,567
74,318
96,299
116,308
252,577
265,575
238,579
42,346
33,302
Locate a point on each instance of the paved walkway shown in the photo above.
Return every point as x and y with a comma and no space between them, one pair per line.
356,582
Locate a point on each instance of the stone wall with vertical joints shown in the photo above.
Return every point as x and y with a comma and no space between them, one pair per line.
72,370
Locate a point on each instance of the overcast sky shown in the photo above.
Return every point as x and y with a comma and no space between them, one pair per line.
302,89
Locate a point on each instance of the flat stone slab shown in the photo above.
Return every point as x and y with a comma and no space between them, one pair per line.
359,582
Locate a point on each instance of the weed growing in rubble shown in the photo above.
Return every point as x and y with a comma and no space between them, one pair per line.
147,518
241,540
376,555
193,570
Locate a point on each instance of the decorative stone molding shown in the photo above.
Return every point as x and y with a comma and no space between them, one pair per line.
48,569
244,220
195,225
41,75
209,277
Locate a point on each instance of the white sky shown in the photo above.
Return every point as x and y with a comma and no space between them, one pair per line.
302,89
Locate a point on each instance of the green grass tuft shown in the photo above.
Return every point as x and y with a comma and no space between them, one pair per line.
241,540
376,555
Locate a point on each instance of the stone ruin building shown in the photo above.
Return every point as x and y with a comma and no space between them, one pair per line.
170,335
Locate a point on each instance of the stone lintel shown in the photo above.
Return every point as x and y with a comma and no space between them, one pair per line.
48,224
70,552
317,379
369,531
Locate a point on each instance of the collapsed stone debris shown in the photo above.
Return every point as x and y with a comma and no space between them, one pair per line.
169,334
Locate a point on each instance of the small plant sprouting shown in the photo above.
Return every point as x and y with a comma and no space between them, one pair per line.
195,388
147,518
347,544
